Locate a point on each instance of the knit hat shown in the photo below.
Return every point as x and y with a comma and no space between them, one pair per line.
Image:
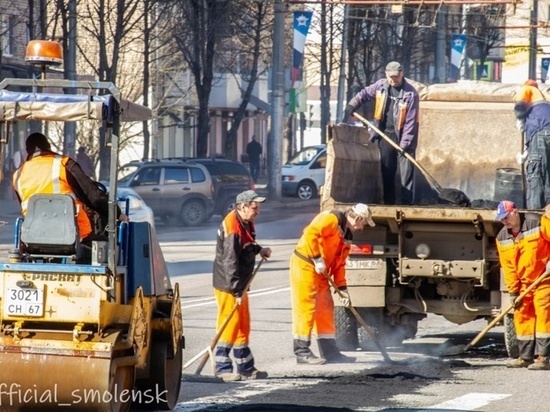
36,141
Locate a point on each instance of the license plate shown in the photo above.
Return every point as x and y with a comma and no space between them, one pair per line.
24,302
364,264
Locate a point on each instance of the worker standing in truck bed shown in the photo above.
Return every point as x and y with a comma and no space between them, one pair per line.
396,104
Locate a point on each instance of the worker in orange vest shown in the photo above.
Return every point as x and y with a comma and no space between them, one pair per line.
51,173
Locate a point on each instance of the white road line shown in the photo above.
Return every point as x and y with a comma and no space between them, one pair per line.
241,392
469,402
212,301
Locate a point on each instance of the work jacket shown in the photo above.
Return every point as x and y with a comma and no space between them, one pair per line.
405,110
236,251
533,110
523,258
327,237
46,173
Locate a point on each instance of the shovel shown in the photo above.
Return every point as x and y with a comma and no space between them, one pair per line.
207,352
369,330
457,350
447,194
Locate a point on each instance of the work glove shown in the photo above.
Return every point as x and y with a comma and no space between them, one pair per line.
520,125
344,297
548,266
239,300
513,297
320,266
521,157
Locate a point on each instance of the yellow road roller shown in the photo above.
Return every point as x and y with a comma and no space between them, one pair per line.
103,333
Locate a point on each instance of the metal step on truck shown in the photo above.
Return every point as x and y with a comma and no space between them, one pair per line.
432,257
101,333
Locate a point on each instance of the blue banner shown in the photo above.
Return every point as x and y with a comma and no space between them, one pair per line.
458,44
302,21
545,62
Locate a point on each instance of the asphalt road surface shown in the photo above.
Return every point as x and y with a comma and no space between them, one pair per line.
418,379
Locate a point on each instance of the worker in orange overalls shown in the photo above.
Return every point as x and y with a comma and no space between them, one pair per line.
322,249
236,251
47,172
524,248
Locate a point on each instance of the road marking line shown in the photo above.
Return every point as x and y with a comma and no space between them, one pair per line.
469,402
212,301
239,394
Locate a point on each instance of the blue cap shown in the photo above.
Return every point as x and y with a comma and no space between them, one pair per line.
504,208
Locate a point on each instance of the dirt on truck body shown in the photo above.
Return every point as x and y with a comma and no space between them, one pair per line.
428,257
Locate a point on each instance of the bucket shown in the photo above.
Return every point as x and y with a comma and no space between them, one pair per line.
509,186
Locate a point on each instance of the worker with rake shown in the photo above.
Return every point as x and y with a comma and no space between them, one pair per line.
524,249
321,253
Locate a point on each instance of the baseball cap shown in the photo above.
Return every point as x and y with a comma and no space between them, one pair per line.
362,210
504,208
249,196
393,68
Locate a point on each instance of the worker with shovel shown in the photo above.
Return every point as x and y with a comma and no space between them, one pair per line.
322,252
524,249
236,251
396,104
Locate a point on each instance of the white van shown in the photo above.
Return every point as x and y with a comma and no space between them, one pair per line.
304,173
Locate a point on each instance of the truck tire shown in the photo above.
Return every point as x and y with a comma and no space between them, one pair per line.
373,317
510,339
346,329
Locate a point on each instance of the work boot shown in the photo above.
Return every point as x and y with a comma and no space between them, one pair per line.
519,363
541,364
340,358
328,349
229,377
310,360
253,374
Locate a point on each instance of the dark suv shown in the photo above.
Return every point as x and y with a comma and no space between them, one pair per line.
229,178
176,190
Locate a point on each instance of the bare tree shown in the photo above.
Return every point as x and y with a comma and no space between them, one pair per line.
199,27
252,22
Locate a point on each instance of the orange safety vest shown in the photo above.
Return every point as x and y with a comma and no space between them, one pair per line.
46,173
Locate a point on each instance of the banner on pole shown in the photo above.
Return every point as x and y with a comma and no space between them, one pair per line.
302,22
458,44
545,63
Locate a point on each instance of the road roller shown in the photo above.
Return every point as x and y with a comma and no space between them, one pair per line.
83,327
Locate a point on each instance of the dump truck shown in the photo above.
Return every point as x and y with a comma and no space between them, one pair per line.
432,257
95,335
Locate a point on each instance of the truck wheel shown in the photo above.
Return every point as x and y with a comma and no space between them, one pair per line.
193,213
346,329
510,339
373,317
164,378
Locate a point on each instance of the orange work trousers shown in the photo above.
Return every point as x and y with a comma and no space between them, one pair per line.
532,322
312,304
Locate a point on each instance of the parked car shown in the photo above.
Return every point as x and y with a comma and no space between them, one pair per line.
304,173
137,208
176,190
230,178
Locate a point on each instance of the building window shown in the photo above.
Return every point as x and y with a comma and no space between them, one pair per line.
8,35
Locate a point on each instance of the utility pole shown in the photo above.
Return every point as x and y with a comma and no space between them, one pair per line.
69,139
533,40
275,138
440,46
342,77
